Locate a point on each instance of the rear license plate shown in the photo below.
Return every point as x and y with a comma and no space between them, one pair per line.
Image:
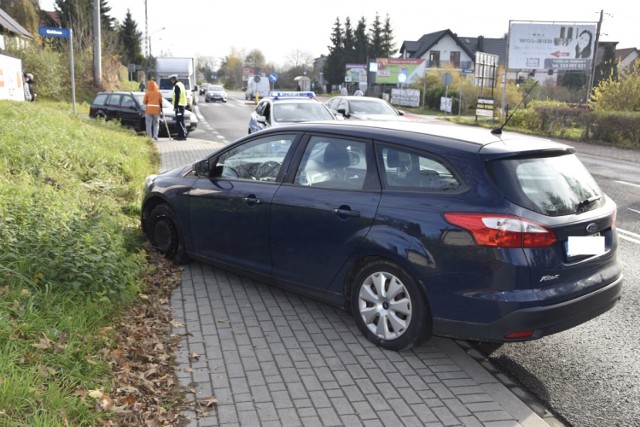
585,245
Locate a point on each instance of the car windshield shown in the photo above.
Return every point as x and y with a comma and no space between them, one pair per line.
300,112
165,84
216,89
369,107
553,186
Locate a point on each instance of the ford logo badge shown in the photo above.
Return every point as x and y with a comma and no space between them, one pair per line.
592,228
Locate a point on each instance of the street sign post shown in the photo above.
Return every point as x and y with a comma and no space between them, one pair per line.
65,33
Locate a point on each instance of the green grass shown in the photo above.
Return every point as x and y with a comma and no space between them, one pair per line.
70,257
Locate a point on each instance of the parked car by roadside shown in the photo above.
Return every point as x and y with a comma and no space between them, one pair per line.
418,229
364,108
128,109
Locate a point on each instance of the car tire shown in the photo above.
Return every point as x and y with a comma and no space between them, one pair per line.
389,307
163,232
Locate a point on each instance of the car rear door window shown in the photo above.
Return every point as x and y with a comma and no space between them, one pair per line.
114,100
404,169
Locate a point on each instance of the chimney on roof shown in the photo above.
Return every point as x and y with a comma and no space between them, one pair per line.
480,45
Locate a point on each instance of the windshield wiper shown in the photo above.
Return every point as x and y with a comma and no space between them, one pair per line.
586,202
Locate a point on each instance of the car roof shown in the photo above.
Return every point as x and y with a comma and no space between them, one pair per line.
359,98
447,136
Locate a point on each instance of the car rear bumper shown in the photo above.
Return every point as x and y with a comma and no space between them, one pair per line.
543,320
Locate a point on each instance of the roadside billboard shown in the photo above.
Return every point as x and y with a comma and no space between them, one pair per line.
11,84
399,71
551,46
355,73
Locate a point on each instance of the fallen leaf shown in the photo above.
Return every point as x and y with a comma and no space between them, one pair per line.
208,402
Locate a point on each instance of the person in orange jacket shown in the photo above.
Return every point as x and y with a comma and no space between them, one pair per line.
153,102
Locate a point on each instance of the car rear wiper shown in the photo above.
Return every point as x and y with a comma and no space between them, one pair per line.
586,202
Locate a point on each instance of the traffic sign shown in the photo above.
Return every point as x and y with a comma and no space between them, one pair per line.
54,32
273,77
467,71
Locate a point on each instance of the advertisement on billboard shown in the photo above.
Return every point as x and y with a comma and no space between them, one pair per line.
399,71
551,46
355,73
11,84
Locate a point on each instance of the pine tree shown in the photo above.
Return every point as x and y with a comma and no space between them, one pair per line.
376,39
334,66
361,43
130,40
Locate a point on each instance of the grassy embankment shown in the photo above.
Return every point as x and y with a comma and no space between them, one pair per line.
70,257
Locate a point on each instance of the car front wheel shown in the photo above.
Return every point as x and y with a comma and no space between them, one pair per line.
164,234
388,307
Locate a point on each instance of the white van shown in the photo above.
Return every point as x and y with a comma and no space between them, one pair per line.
261,88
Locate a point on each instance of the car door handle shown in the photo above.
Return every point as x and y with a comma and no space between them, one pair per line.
345,211
252,200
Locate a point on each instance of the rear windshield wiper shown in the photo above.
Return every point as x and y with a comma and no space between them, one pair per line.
586,202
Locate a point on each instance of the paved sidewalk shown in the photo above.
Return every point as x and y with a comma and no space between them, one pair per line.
271,358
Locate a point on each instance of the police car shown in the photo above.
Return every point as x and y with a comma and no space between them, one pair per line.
281,108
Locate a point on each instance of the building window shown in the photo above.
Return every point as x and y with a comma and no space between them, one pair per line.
434,58
454,59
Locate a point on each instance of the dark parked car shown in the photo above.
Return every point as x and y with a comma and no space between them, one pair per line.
127,107
417,229
364,108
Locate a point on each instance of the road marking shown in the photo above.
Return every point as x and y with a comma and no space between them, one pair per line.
633,210
628,183
629,236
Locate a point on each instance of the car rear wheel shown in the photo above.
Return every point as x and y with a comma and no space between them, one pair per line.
388,307
164,234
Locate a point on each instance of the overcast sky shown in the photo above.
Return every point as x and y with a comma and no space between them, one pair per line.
279,28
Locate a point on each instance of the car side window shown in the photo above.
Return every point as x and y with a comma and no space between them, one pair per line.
256,160
127,101
405,169
114,100
333,163
100,99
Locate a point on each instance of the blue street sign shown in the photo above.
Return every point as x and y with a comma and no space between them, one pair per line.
54,32
273,77
467,71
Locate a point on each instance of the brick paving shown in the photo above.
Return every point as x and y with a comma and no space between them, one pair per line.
268,357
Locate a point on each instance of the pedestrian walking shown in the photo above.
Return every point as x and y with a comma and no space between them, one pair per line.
153,108
179,101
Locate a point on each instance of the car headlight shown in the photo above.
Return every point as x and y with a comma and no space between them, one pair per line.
148,182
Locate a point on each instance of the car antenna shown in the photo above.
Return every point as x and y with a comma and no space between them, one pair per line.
498,131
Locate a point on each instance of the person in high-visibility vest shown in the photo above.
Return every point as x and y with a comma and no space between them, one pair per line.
153,108
179,101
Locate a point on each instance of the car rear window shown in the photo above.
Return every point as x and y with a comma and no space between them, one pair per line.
553,186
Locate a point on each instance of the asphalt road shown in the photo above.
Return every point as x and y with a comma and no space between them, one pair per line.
588,376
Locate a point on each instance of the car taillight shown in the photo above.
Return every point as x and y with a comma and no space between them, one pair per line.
503,231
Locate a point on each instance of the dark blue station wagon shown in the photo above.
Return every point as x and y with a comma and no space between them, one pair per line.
416,229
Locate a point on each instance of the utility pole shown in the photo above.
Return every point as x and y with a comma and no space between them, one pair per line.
592,78
97,45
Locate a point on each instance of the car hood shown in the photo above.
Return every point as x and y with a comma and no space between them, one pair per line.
376,117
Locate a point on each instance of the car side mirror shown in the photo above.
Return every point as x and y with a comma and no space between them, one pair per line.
354,158
201,168
401,112
344,112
